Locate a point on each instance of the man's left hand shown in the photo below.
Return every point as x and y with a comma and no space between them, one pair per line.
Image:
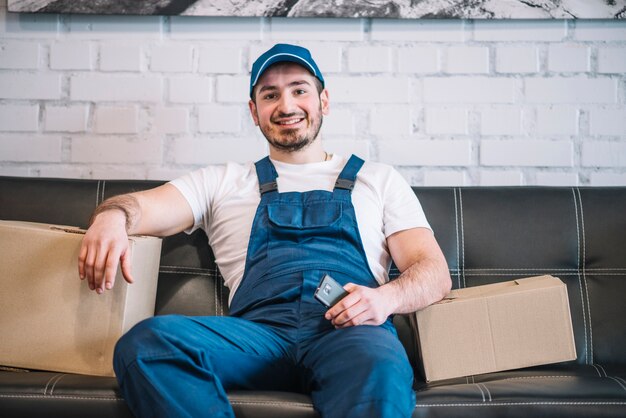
362,306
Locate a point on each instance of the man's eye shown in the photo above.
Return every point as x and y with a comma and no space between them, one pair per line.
269,96
300,91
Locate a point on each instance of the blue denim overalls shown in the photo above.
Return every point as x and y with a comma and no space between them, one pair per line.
276,337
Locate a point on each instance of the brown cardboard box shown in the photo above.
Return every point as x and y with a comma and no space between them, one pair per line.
501,326
49,319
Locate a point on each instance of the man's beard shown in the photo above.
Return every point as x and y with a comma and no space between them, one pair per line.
294,142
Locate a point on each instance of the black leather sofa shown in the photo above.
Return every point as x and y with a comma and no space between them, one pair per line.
487,234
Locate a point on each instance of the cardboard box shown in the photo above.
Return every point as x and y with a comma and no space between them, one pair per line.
49,319
501,326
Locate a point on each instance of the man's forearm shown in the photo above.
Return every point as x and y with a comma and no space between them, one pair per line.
127,204
422,284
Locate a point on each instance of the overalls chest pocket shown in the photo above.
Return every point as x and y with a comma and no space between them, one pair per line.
303,233
314,215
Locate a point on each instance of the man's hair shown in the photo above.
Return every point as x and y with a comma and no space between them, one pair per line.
318,83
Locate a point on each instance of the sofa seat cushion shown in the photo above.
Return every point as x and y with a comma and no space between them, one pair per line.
50,394
568,390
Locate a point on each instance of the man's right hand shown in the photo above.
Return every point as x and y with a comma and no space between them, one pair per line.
161,212
104,246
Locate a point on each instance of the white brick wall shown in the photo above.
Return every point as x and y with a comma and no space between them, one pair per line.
464,60
446,121
500,178
219,118
121,57
113,87
470,90
426,153
172,58
418,60
557,120
501,121
522,30
612,60
449,102
571,90
30,148
367,59
16,118
71,56
18,85
517,59
19,55
190,89
391,120
116,149
526,153
568,58
171,120
604,154
220,59
62,118
608,122
116,120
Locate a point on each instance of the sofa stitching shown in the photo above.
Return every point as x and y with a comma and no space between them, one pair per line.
531,272
481,391
186,272
98,193
462,237
57,381
618,382
456,220
584,241
542,268
45,389
221,299
487,390
188,268
96,398
582,299
620,379
598,370
555,403
215,295
603,370
272,403
102,191
553,376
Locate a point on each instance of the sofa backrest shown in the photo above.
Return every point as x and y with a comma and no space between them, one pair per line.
488,234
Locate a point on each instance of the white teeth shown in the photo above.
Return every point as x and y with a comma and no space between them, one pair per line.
289,121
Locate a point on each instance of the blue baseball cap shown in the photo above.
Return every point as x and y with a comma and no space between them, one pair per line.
282,53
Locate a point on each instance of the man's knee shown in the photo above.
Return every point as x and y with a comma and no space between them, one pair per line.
151,337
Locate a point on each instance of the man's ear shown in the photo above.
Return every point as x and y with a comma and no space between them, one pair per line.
253,112
324,102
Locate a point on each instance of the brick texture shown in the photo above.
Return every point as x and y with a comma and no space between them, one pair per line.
448,102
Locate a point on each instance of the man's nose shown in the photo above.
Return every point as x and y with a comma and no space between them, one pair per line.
286,104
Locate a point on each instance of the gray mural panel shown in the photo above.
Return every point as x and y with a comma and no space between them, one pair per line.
404,9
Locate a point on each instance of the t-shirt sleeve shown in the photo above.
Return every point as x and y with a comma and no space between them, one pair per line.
196,187
402,209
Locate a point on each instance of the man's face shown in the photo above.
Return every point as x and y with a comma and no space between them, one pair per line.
288,108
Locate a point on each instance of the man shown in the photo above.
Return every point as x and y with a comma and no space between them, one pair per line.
276,228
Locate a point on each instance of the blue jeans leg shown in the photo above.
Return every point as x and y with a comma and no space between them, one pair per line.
360,372
176,366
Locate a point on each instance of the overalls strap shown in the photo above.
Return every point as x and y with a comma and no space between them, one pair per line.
347,177
267,175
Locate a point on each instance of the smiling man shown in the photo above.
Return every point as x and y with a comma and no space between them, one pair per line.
277,227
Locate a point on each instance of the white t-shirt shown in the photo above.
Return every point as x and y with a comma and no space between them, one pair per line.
224,200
